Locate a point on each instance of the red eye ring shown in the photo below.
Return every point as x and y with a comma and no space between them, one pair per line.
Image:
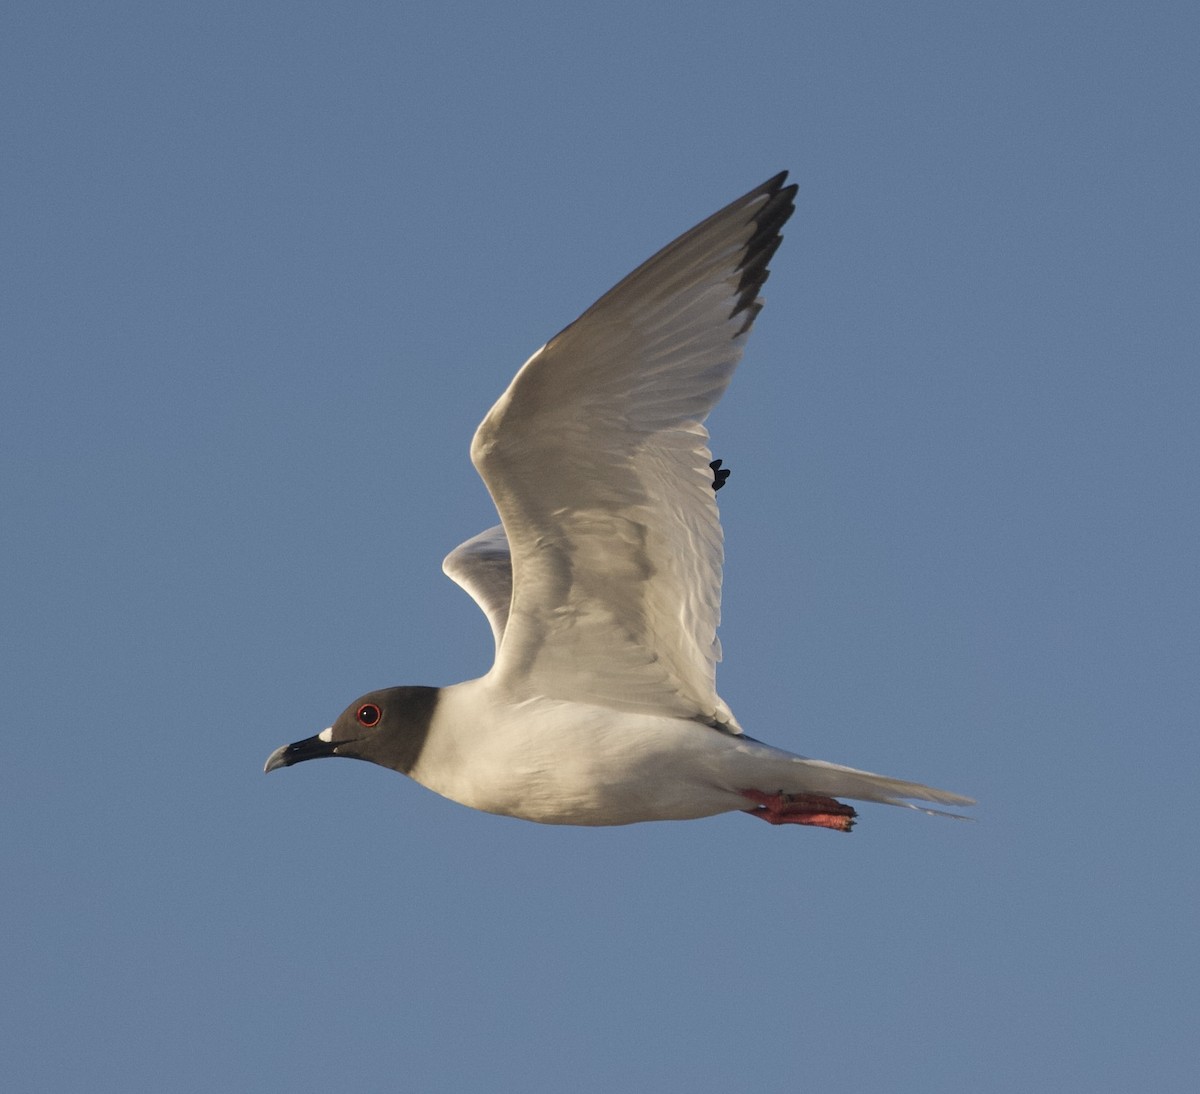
368,715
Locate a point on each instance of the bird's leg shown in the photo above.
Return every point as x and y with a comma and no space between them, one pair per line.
813,809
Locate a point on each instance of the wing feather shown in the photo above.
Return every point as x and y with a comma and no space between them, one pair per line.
483,567
597,459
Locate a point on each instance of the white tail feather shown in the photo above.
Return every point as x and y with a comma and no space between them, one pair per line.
848,782
800,775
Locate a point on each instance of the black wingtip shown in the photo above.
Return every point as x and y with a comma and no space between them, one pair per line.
773,185
762,245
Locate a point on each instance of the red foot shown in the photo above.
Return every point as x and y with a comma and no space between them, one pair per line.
820,812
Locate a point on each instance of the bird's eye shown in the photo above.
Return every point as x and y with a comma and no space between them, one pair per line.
368,715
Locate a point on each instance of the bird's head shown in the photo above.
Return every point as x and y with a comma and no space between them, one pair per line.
386,727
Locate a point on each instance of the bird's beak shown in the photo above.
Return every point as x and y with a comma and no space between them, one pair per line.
312,748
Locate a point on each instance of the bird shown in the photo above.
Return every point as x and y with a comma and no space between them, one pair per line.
602,581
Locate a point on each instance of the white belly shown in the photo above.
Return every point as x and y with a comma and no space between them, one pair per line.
568,763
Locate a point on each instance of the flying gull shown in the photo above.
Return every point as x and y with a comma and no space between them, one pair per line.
602,582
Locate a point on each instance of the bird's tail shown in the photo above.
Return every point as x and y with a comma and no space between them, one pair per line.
800,775
847,782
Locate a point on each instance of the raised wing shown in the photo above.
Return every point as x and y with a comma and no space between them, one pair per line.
483,567
596,457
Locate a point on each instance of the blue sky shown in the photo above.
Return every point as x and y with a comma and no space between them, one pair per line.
266,266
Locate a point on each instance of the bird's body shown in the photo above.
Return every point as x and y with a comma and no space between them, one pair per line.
520,757
602,583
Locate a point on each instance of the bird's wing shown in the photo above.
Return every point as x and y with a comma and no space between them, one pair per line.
596,457
483,566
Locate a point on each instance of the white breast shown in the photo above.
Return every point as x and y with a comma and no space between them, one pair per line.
560,762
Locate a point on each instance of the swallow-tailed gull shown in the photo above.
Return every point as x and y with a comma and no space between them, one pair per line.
602,582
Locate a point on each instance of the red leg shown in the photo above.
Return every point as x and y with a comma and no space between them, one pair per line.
813,809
